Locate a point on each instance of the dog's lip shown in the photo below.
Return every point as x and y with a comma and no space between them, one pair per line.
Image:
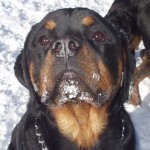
67,74
71,88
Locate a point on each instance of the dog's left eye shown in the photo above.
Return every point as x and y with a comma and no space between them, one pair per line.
98,36
44,40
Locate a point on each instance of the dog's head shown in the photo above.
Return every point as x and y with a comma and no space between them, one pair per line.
74,55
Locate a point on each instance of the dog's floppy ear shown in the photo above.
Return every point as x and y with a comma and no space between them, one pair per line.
18,69
127,76
129,67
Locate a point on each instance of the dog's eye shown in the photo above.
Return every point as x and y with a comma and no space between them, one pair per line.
98,36
43,40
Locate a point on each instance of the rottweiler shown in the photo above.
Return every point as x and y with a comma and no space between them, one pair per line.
77,68
133,16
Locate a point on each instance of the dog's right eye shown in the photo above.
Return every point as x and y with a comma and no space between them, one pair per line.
98,36
44,40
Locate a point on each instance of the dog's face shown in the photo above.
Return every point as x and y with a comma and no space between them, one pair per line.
73,55
75,64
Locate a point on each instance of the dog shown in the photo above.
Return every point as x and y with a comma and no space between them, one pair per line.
133,17
77,68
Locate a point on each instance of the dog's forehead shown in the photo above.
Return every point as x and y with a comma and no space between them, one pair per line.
72,18
70,14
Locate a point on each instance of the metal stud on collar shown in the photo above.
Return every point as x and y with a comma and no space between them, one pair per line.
123,130
39,136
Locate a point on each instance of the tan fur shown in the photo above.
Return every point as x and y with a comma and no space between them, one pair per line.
46,76
31,72
135,41
88,21
86,59
90,65
81,123
140,73
106,79
50,25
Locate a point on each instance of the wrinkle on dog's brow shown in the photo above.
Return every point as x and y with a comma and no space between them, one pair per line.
88,20
50,25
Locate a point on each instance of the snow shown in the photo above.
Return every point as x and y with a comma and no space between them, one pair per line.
96,76
44,94
69,89
17,17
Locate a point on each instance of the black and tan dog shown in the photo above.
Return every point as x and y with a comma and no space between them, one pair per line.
77,68
133,16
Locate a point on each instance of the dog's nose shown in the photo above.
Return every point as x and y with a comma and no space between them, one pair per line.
66,47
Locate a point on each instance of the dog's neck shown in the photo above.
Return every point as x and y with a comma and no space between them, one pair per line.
43,144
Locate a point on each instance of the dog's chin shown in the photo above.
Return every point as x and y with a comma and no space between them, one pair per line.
70,88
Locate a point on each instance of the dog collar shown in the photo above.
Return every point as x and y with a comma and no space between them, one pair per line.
123,130
123,35
123,127
43,144
39,136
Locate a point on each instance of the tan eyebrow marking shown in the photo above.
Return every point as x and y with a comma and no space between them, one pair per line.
50,25
88,21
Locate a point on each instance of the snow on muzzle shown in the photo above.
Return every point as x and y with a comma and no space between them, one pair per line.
70,88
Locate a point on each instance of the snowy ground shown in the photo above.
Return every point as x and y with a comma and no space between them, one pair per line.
17,17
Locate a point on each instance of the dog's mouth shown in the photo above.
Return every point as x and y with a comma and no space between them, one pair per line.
70,88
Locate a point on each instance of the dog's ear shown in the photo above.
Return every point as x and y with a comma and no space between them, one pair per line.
128,74
18,69
129,67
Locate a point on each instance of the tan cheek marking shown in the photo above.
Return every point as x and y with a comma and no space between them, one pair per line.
90,64
31,72
87,61
46,74
88,21
106,80
81,123
50,25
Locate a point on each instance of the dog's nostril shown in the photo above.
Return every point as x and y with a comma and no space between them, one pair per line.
73,45
66,47
57,47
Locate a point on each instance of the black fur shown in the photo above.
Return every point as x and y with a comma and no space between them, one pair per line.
119,133
133,16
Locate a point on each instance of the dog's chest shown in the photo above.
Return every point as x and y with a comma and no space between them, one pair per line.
81,123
